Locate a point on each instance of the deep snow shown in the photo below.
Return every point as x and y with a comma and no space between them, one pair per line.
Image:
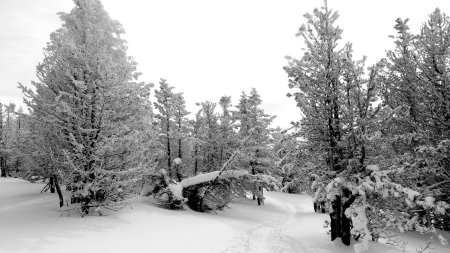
31,222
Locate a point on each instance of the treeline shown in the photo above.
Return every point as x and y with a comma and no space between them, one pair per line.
206,141
11,137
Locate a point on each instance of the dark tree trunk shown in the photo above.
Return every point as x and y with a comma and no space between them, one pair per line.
196,160
2,167
259,199
169,165
340,224
58,190
346,227
339,216
177,171
346,222
335,218
333,224
179,148
253,173
52,185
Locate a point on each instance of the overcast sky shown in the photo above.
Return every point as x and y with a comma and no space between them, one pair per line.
207,49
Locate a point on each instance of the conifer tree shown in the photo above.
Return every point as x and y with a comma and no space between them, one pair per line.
253,123
336,104
88,107
415,89
165,104
210,132
416,79
227,139
180,118
196,128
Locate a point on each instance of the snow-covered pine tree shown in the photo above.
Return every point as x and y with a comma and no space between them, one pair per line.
14,134
196,128
227,139
415,89
336,104
180,121
165,104
88,109
8,139
23,151
292,163
210,134
253,123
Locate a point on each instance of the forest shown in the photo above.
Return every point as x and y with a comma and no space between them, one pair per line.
371,145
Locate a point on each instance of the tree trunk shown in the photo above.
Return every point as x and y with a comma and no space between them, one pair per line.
52,184
58,190
196,160
253,173
179,137
259,199
2,167
340,224
346,222
179,148
169,165
335,218
339,216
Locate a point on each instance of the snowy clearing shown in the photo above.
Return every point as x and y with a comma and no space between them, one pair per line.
31,222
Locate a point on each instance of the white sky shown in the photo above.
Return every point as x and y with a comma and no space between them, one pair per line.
207,48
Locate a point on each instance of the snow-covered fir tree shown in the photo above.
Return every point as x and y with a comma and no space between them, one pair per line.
89,108
253,123
165,104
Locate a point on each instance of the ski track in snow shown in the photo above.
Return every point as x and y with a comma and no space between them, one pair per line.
272,238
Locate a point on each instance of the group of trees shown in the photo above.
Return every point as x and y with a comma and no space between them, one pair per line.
94,129
206,141
12,133
379,136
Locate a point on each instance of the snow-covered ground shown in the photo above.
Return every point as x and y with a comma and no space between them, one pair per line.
31,222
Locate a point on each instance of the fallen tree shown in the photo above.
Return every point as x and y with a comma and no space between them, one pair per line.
206,192
209,191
